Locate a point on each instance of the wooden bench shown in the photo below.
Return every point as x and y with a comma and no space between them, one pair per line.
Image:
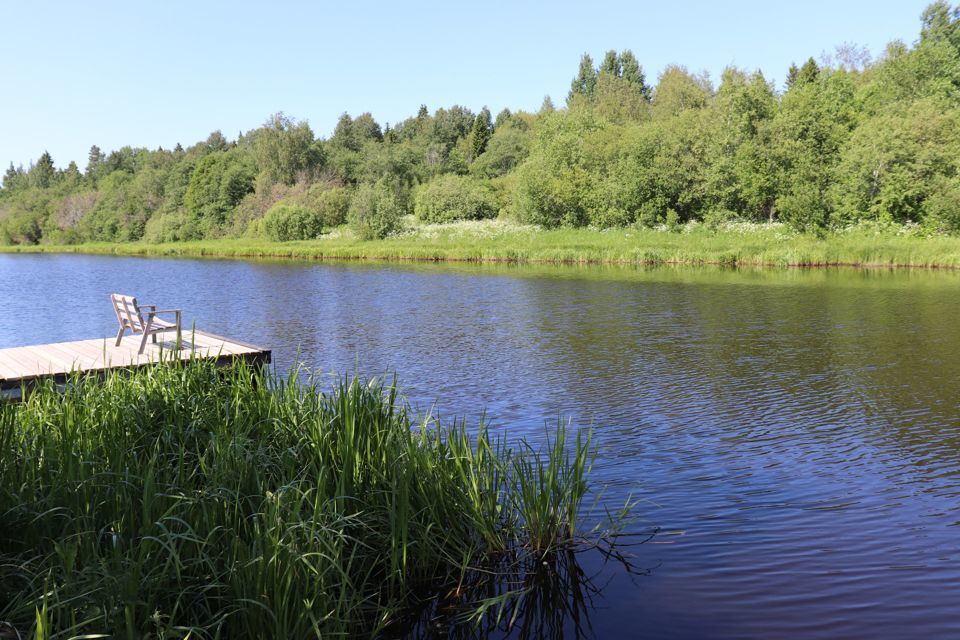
142,319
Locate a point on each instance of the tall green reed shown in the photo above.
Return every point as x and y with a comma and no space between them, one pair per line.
191,500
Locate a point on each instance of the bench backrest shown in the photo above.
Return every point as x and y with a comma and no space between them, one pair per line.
128,313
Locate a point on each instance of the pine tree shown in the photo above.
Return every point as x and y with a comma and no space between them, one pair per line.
585,83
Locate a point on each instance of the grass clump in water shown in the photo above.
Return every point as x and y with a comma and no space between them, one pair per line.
188,500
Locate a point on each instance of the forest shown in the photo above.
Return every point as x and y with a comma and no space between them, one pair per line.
847,140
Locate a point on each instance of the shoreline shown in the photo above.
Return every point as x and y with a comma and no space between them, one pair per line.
498,243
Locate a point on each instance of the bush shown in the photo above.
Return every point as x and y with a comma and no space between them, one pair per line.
286,222
453,197
673,221
942,208
375,211
716,218
174,226
330,204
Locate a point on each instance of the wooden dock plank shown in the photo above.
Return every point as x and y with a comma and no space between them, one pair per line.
57,360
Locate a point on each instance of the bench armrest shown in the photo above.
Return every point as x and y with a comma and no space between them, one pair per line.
156,311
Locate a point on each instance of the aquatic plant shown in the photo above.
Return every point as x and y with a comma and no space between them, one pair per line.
191,500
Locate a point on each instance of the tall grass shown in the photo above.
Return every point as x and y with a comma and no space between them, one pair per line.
494,241
188,500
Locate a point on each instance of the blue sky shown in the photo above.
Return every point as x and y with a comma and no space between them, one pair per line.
157,73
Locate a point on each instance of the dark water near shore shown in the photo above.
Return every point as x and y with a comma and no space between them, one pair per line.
793,435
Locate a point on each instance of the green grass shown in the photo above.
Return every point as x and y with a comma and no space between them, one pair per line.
187,500
493,241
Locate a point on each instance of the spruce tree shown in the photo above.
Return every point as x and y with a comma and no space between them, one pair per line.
480,133
547,105
585,83
43,172
11,178
611,64
792,73
72,173
808,72
94,159
632,72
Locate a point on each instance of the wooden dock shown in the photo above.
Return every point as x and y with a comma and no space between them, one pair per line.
27,365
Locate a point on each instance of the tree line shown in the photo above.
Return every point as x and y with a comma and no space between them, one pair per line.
845,140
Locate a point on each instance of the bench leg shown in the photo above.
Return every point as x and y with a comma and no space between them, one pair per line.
119,336
143,343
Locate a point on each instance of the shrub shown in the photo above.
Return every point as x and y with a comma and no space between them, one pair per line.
173,226
375,211
942,208
330,204
716,218
673,220
286,222
453,197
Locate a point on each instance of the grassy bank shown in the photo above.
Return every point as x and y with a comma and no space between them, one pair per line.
190,501
492,241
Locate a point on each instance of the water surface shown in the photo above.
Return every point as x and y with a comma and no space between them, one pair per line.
793,435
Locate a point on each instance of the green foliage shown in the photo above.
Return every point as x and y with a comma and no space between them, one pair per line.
844,142
585,82
43,174
219,182
329,203
285,149
942,205
677,91
452,197
375,210
895,161
192,500
285,222
508,147
480,133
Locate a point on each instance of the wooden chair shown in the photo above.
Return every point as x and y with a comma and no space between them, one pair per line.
142,319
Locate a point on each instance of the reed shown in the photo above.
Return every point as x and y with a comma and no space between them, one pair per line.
187,500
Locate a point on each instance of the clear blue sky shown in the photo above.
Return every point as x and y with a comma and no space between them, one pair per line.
157,73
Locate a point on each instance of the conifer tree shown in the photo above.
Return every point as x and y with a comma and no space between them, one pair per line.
808,72
43,172
94,159
792,73
585,83
480,133
12,177
611,64
632,72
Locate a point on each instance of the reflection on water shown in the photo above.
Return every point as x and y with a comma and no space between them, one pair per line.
795,435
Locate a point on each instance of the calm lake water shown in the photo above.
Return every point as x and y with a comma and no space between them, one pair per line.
794,436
